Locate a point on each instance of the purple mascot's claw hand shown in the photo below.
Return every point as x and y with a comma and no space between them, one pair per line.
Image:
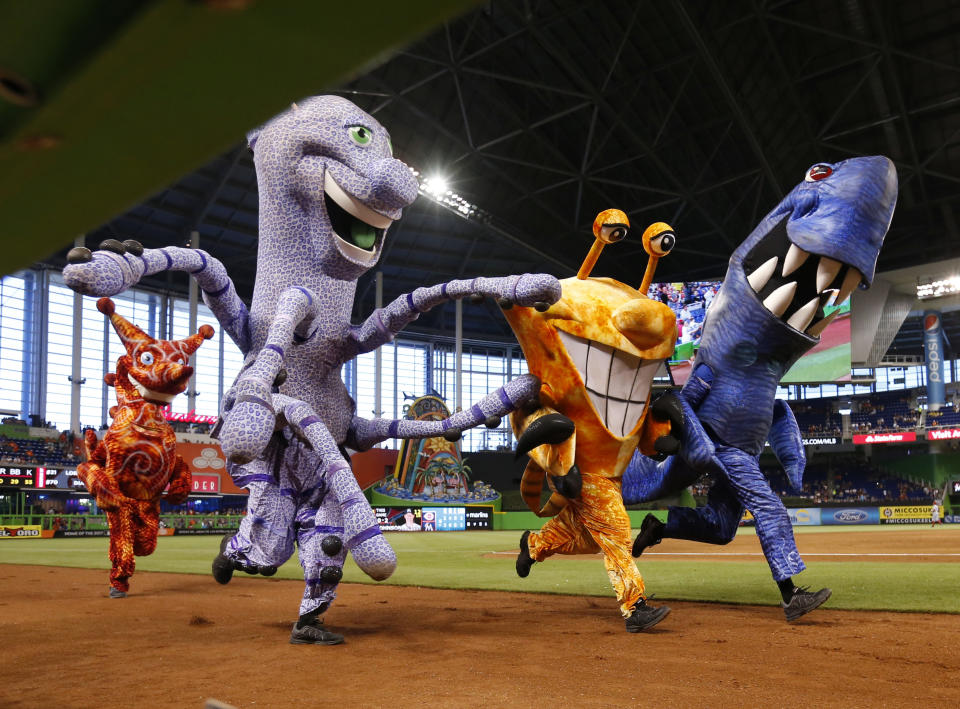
248,426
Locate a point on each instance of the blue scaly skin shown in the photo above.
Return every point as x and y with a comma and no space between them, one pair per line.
826,234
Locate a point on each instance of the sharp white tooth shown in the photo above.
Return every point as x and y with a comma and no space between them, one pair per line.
758,279
794,259
778,301
800,319
818,327
850,281
827,270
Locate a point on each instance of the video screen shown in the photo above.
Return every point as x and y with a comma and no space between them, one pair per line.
689,300
828,361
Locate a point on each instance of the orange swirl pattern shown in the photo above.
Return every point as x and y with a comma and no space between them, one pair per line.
129,469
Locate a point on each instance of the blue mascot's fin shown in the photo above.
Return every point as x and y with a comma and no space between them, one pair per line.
787,443
698,385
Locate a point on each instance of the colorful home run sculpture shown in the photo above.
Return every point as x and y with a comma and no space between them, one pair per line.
128,470
329,188
596,351
816,246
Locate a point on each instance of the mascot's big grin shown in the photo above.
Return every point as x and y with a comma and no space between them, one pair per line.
617,382
358,230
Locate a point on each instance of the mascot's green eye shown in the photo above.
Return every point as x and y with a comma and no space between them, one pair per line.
360,135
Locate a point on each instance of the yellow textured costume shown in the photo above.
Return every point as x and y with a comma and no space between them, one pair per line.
596,352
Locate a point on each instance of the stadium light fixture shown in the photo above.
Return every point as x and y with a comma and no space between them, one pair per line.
437,188
929,288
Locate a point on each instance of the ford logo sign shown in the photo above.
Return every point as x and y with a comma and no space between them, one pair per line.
850,516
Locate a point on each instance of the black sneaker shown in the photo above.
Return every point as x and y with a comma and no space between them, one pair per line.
651,532
116,593
802,602
223,565
314,634
524,560
645,616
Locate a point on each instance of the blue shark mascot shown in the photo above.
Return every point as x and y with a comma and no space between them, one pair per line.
816,246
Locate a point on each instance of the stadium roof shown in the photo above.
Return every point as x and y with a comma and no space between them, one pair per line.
699,114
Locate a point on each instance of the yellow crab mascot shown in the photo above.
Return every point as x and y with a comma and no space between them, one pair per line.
596,351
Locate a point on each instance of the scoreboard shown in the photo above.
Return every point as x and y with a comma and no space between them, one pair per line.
39,477
434,519
17,476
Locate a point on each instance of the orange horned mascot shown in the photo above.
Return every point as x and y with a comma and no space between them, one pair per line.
128,470
595,351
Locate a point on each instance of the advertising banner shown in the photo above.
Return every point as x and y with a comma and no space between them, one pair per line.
901,437
906,514
26,531
943,434
850,515
205,483
933,354
804,516
822,441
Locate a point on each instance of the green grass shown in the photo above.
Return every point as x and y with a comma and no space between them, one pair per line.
824,366
459,560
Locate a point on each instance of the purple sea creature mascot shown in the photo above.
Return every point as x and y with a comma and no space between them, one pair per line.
329,188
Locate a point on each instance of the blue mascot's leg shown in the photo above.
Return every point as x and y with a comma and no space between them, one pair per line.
773,522
715,523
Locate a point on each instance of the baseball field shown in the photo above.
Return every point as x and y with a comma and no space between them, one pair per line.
456,626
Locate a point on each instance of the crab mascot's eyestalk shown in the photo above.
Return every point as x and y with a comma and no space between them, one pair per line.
814,248
595,351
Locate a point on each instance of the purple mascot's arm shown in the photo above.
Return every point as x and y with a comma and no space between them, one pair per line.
365,433
108,273
525,290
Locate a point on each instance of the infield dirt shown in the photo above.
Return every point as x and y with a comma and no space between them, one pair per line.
179,639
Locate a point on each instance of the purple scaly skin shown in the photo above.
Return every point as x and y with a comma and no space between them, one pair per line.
329,188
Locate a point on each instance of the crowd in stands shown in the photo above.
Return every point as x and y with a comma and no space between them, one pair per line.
40,451
850,480
947,417
690,302
890,411
816,417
